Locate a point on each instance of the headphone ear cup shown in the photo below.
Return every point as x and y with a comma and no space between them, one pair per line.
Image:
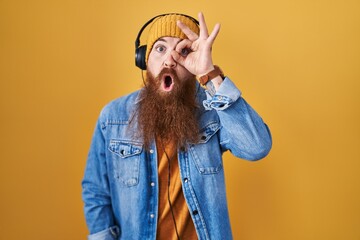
140,53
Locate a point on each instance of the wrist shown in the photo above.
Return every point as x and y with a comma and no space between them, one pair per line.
206,71
215,74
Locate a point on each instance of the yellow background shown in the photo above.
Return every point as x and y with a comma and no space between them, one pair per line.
296,62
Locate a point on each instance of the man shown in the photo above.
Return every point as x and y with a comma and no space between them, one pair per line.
154,169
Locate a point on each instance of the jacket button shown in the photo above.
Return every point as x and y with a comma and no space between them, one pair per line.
152,215
186,180
195,212
114,231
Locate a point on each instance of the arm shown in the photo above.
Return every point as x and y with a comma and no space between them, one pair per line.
243,131
96,192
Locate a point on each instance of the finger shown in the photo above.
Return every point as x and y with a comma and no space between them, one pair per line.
187,31
203,28
214,33
177,57
183,44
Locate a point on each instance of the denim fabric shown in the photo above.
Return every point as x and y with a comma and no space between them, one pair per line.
120,185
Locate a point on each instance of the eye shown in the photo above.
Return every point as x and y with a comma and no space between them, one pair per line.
185,52
160,48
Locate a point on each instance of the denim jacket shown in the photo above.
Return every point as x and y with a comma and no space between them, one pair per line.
120,185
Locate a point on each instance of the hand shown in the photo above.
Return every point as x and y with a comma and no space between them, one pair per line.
194,53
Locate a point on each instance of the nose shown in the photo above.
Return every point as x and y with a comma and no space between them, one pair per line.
169,61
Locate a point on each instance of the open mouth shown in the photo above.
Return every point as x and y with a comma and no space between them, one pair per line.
167,83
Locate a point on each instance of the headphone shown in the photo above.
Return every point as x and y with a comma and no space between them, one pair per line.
140,51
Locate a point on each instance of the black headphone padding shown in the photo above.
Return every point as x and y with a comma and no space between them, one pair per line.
140,53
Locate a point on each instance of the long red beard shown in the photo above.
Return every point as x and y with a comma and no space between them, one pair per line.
170,116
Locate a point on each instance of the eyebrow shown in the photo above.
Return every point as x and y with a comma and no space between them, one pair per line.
163,40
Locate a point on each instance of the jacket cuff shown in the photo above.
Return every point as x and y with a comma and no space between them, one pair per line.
112,233
224,96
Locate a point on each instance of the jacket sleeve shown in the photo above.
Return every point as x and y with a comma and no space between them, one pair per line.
243,131
96,191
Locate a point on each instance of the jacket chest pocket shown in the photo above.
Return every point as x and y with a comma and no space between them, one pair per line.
206,153
126,161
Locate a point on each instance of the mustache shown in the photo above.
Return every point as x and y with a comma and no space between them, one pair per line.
167,72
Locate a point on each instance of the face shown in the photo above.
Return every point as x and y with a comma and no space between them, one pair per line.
160,58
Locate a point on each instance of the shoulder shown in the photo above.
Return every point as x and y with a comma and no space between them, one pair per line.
119,109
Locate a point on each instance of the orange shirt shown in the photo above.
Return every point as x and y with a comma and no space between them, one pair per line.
184,223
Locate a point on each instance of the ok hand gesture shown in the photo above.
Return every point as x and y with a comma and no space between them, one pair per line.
194,53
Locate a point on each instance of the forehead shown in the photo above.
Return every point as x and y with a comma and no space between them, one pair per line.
169,40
